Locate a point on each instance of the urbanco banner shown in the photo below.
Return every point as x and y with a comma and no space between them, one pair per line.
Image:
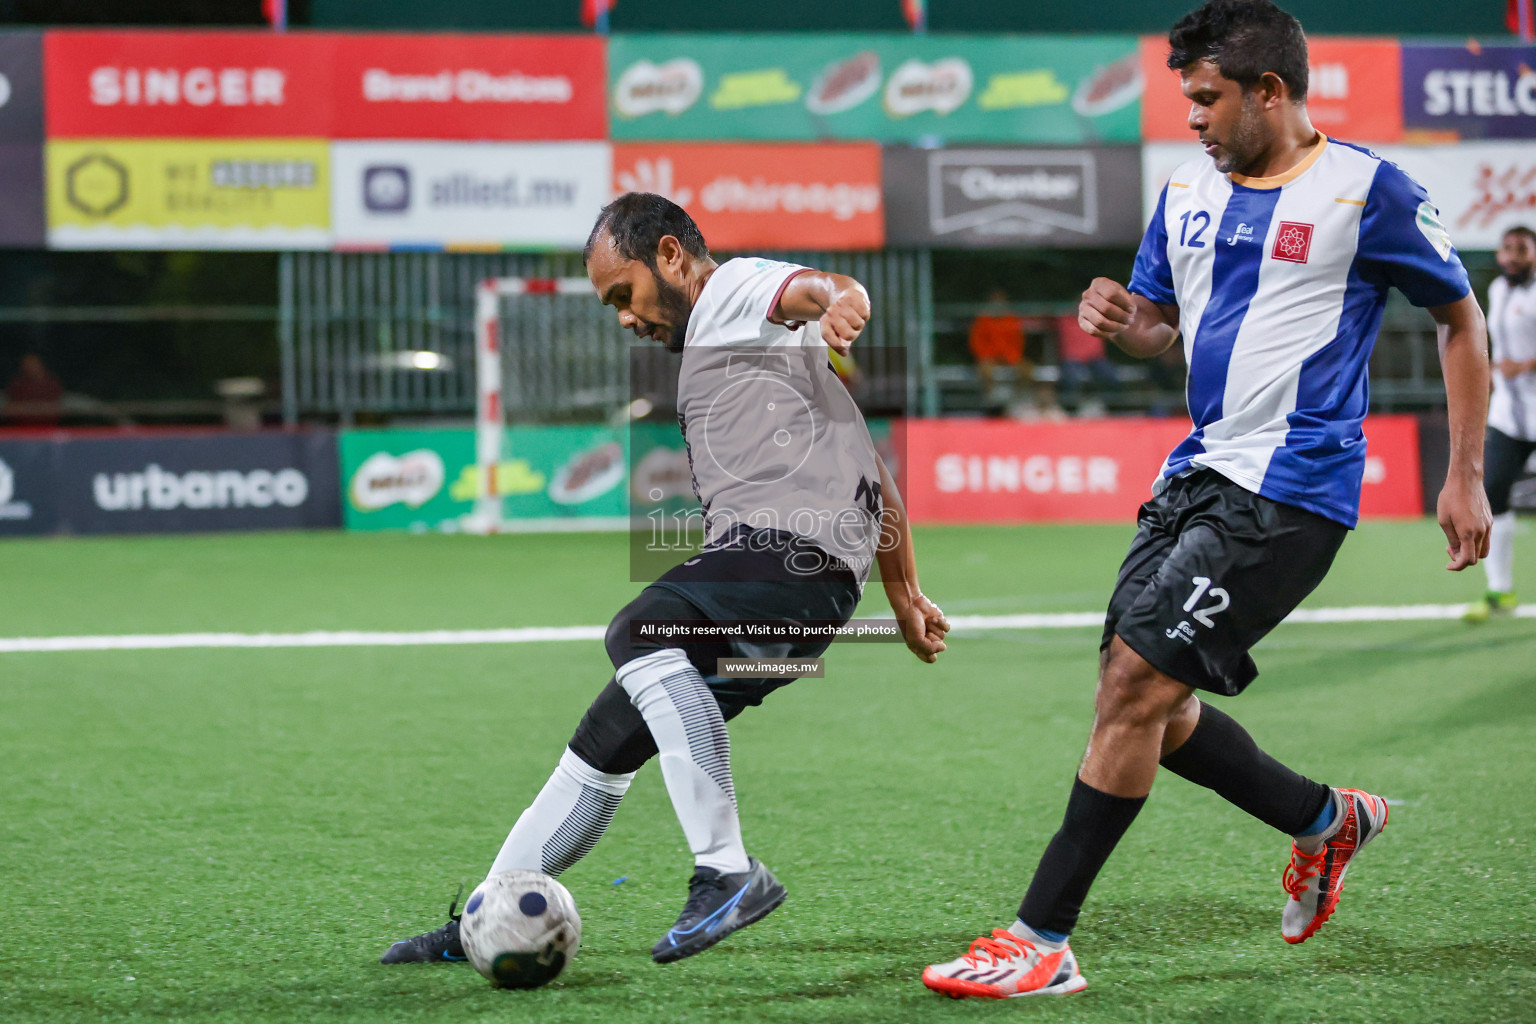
180,484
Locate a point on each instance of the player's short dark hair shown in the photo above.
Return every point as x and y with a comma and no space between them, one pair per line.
1245,39
637,222
1522,231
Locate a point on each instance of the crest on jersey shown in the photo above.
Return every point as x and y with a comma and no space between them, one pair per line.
1292,242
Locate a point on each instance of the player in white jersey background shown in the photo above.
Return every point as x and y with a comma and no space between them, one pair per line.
1512,411
1272,257
797,506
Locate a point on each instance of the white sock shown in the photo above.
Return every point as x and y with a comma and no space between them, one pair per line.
565,820
1035,939
1500,563
695,754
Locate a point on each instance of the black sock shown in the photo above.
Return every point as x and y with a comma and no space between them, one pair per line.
1221,756
1094,823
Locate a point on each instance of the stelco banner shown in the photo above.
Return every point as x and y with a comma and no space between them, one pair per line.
1003,198
21,139
1352,90
792,196
467,195
427,479
235,84
892,88
1483,91
973,471
189,194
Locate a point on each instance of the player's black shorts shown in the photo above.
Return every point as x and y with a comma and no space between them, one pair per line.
1213,568
1504,459
743,582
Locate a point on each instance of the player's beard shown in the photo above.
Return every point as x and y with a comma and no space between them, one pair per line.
1519,277
1246,142
674,306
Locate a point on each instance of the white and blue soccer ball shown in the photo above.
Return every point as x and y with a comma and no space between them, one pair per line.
520,929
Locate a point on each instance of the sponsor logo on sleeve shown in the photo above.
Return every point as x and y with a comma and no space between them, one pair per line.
1428,221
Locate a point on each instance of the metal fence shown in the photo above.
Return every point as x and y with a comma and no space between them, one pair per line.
387,334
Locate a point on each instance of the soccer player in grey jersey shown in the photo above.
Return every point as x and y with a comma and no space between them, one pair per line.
797,507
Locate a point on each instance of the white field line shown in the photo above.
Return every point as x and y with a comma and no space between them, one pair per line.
546,634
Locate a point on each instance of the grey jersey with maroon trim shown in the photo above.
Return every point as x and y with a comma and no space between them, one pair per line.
774,439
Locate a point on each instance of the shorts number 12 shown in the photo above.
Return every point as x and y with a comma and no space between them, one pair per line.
1202,587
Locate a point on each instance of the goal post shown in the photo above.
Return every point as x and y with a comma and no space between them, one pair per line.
490,409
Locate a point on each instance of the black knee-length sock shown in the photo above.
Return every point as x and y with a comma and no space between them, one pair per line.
1093,824
1221,756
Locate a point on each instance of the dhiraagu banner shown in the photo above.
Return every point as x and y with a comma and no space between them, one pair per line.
891,88
558,477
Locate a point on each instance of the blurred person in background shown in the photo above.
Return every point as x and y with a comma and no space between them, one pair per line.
1511,414
1083,362
997,339
34,397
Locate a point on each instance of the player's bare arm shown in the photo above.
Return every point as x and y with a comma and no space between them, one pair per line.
1463,506
923,625
838,301
1137,325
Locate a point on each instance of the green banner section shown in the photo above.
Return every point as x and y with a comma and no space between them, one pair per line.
891,88
427,479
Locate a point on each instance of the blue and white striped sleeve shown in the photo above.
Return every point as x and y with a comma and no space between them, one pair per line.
1152,275
1404,245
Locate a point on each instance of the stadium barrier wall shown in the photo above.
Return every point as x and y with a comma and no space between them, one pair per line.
169,483
997,471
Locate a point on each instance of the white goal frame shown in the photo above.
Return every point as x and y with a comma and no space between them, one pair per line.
490,410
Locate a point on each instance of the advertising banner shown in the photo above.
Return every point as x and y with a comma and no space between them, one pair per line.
1352,90
230,84
550,478
992,471
467,195
891,88
187,484
1481,188
1002,198
189,194
791,196
1474,91
22,220
22,223
541,88
21,87
28,485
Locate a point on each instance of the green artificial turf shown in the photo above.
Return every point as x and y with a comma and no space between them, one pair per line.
237,834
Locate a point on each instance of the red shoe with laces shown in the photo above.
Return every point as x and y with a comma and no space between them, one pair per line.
1005,966
1314,880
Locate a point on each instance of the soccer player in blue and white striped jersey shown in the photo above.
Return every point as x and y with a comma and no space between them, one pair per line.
1272,257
